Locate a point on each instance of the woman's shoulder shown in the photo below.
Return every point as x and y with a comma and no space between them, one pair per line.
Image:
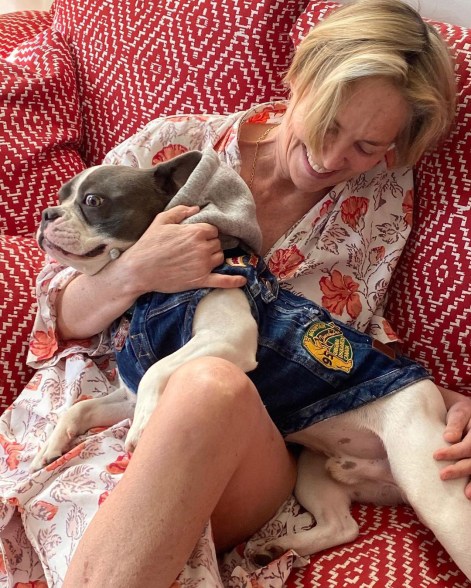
169,136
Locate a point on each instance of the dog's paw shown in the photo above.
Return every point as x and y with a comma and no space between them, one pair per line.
141,418
146,403
132,439
43,458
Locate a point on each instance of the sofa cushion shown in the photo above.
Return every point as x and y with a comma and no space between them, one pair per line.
40,129
429,302
163,58
17,27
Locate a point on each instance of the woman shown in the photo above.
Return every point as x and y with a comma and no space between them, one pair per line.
360,96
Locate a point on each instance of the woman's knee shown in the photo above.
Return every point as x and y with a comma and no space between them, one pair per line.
215,380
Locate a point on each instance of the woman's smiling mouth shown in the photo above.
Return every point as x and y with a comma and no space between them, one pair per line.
319,170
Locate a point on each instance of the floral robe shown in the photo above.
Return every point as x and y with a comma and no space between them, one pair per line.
341,254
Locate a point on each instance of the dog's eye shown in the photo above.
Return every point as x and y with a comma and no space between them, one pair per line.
93,200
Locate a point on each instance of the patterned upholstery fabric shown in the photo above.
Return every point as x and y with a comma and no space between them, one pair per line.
172,58
40,128
430,303
16,27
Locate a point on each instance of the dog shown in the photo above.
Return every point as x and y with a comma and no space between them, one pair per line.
379,450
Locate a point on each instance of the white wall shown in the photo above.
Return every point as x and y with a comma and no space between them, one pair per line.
13,5
453,11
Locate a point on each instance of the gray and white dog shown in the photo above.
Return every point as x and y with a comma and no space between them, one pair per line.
380,452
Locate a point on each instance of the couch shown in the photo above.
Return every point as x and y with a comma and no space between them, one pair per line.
77,80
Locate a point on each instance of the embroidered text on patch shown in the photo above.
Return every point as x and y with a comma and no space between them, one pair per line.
326,343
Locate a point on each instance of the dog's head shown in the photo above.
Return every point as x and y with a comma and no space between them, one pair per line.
105,209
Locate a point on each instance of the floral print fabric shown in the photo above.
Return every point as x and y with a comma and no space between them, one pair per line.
341,254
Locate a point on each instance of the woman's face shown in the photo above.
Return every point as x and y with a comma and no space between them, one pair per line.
366,126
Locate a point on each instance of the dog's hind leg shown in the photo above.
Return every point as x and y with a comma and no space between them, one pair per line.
410,444
223,327
327,500
79,418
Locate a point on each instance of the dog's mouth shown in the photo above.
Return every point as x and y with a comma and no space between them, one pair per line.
46,244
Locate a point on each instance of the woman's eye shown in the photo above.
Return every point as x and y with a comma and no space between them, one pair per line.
93,200
363,151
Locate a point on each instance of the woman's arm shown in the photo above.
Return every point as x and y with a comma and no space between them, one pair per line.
458,433
169,257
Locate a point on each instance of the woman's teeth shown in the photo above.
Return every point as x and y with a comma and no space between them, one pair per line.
317,168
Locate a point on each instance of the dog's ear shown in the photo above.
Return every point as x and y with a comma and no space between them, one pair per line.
171,175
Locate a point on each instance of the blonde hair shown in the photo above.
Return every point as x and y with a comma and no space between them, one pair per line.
384,38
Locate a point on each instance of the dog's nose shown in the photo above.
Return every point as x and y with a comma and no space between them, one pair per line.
51,214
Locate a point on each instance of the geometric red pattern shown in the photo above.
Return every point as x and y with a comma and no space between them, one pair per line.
20,262
16,27
199,54
41,125
393,550
430,295
431,292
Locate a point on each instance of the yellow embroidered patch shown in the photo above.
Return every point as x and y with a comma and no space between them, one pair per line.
328,345
242,260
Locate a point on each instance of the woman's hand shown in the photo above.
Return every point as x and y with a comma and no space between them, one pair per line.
171,257
458,433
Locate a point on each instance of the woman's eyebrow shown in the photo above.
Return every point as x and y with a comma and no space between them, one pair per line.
338,126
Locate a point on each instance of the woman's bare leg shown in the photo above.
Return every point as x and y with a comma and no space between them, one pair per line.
209,450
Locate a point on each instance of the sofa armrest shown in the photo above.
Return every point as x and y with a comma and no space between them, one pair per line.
16,27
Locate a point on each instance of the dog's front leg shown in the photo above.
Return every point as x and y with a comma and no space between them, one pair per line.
224,327
410,444
327,500
79,418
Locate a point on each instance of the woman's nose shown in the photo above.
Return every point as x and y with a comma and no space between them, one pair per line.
335,155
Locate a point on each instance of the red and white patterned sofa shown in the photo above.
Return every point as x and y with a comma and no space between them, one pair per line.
79,79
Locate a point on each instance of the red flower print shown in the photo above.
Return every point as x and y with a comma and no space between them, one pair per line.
340,292
377,254
34,584
168,152
118,466
43,510
43,345
408,207
353,209
12,449
103,496
34,383
284,262
221,145
389,331
259,117
323,211
65,458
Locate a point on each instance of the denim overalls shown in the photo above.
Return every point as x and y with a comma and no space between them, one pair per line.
310,366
